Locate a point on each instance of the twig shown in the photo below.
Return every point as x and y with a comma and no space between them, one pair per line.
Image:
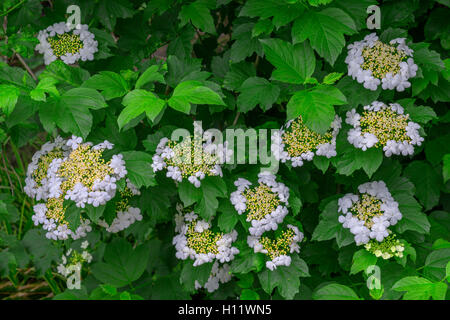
12,8
236,118
9,178
25,65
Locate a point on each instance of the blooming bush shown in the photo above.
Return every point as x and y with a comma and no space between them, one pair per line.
203,149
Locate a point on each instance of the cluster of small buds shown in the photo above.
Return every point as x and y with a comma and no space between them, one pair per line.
264,204
373,63
70,170
193,158
72,261
67,43
277,250
126,214
297,143
219,274
388,248
369,215
196,241
383,126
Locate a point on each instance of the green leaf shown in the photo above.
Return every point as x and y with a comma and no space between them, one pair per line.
247,261
84,97
329,224
94,213
447,271
45,85
315,106
72,215
228,217
322,163
262,27
137,102
192,91
436,149
256,91
335,291
418,288
332,78
293,64
168,287
190,274
41,249
427,183
446,167
325,30
436,263
64,73
122,265
111,84
356,93
282,11
421,114
189,194
108,12
245,44
287,279
139,168
248,294
412,216
150,75
361,260
357,9
370,160
70,112
212,188
237,74
198,13
157,208
8,98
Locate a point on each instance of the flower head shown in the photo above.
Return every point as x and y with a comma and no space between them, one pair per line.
373,62
62,41
388,248
192,159
264,204
383,126
196,241
279,248
369,214
297,143
74,171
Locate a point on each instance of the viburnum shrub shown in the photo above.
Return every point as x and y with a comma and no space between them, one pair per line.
224,149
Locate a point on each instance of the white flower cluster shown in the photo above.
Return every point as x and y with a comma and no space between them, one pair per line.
326,148
102,190
270,220
208,246
278,259
39,190
219,274
126,217
70,170
398,140
184,160
391,80
73,261
85,52
371,217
